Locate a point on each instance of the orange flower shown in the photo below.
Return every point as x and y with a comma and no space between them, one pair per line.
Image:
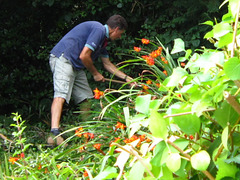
142,137
149,59
165,72
13,159
97,146
78,132
145,41
149,81
156,53
137,49
120,125
158,85
163,58
39,166
183,64
59,166
145,87
85,135
98,93
82,148
91,135
85,174
46,170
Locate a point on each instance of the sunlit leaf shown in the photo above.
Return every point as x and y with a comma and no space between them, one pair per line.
142,103
178,46
225,137
176,76
232,68
225,170
158,125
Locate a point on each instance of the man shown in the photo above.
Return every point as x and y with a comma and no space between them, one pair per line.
77,50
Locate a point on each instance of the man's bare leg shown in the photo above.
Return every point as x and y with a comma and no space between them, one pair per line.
56,112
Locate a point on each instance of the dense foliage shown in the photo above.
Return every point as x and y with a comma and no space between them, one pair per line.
180,121
29,29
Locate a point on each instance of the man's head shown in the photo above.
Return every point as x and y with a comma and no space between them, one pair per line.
117,25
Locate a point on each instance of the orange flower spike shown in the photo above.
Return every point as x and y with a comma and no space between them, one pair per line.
160,49
97,146
165,72
150,61
145,87
96,91
137,49
116,139
91,135
183,64
149,81
39,166
158,85
120,126
154,54
145,41
85,135
13,159
78,132
163,58
142,137
85,174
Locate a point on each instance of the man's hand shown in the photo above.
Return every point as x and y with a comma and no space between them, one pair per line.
98,77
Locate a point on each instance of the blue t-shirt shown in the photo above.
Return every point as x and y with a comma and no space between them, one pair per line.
91,34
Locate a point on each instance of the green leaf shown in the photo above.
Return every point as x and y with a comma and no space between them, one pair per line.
154,104
225,170
189,123
108,173
137,171
225,138
210,23
233,4
158,125
174,162
226,114
235,159
178,46
225,40
221,29
201,160
158,152
232,68
142,103
208,35
177,75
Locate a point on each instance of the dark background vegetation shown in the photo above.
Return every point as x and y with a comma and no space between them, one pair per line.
29,29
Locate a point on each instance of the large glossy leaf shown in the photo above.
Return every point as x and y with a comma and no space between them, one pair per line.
142,103
225,137
189,123
158,125
226,114
176,76
178,46
232,68
221,29
137,171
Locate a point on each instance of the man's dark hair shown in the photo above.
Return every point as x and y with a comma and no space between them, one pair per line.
117,21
